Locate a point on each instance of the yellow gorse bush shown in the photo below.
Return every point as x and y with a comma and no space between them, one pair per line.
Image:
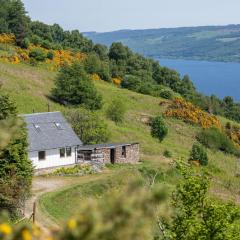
186,111
117,81
95,77
233,132
7,38
19,55
64,56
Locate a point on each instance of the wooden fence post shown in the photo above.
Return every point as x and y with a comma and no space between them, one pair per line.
34,212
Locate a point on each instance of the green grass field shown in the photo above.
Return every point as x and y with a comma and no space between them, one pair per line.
30,88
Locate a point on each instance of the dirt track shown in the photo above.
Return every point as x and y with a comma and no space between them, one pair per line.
40,186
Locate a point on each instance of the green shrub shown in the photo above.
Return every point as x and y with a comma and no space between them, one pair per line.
90,128
25,43
199,154
38,54
159,129
76,170
50,55
36,40
116,110
167,94
214,139
167,154
46,44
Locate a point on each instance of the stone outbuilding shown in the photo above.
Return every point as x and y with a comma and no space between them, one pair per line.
109,153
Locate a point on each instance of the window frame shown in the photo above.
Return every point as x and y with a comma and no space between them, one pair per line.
41,158
60,153
68,155
124,151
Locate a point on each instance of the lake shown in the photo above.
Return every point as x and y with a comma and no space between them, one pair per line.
219,78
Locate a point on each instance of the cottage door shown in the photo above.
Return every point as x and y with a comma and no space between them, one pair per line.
112,155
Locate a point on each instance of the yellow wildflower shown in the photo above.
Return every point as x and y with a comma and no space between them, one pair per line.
72,224
26,235
5,229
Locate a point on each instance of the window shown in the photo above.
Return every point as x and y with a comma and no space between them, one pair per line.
124,151
41,155
58,126
37,127
62,152
69,151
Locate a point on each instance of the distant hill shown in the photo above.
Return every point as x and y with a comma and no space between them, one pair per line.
215,43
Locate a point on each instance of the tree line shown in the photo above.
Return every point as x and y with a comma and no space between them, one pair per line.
136,72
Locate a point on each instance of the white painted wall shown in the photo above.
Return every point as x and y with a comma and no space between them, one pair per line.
52,159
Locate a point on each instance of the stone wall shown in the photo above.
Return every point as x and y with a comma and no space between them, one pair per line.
132,154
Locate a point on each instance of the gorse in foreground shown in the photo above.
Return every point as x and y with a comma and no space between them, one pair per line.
133,213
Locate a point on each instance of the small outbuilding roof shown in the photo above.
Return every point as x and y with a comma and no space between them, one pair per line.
104,145
49,131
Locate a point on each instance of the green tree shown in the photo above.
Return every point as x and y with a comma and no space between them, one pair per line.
101,51
228,101
137,84
116,110
90,128
187,87
73,86
196,216
93,64
119,52
16,170
199,154
159,129
18,21
4,6
75,40
7,107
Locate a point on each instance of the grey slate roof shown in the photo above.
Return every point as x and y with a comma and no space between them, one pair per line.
104,145
49,131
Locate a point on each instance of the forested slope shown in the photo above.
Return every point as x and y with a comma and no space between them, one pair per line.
212,43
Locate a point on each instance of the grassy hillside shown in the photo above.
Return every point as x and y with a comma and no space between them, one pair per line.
30,87
217,43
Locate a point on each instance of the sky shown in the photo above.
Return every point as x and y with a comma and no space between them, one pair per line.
110,15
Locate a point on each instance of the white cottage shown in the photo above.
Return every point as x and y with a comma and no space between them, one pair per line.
52,142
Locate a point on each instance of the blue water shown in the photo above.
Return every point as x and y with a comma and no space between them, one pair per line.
221,79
